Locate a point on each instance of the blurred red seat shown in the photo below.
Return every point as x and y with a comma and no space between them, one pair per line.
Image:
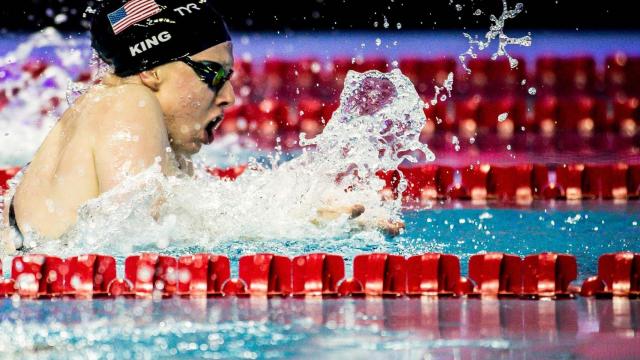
491,109
633,182
544,183
317,274
310,116
467,115
546,114
633,76
476,82
509,183
569,179
503,79
605,181
615,74
626,115
546,75
427,73
474,181
465,183
576,75
371,63
438,118
306,75
421,182
275,78
445,180
549,275
496,274
273,119
578,114
435,274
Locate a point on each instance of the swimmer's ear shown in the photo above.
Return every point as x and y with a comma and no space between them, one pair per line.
150,79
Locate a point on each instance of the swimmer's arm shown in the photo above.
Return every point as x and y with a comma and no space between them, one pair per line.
129,139
326,214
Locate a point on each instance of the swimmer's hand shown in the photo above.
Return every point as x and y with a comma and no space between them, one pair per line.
332,213
325,214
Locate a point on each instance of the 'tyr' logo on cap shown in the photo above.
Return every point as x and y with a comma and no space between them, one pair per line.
186,9
147,44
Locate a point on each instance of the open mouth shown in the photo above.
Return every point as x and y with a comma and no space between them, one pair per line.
211,128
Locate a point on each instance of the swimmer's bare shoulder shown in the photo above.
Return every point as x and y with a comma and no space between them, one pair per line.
128,133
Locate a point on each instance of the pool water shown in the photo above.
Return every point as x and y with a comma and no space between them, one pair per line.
586,230
226,328
223,328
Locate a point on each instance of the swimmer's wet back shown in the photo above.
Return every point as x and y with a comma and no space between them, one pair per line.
137,35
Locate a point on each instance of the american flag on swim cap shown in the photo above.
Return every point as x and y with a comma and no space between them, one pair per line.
132,13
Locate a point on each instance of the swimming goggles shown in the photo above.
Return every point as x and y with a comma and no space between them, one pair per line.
211,73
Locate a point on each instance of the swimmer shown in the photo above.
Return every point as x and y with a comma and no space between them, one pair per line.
172,61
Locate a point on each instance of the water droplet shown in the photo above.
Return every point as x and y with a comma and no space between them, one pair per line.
532,91
458,7
456,143
378,41
502,117
60,18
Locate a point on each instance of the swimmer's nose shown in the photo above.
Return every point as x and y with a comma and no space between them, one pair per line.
226,97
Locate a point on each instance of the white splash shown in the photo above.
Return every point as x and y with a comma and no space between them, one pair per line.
273,208
496,31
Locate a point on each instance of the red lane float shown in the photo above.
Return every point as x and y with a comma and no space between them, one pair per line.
496,275
520,183
317,274
435,274
202,275
605,181
549,275
261,275
545,275
618,275
89,275
377,274
151,272
38,276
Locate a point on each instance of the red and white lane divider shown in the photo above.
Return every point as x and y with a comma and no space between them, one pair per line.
520,183
491,275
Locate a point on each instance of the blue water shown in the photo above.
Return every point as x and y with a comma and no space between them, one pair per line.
586,230
224,328
331,328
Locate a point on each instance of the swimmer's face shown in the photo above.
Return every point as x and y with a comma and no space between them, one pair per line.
192,110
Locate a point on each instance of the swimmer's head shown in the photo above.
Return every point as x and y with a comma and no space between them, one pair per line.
137,35
181,50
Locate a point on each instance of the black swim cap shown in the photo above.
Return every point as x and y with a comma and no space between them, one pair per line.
136,35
